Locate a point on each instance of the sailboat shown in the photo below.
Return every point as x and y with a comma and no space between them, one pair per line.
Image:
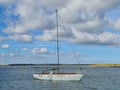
52,75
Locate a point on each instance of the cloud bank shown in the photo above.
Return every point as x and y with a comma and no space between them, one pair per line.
85,21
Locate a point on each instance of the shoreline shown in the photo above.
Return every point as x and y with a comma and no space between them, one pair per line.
82,65
106,65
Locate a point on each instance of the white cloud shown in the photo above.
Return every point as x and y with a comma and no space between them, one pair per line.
51,35
45,37
88,17
7,2
109,39
39,50
2,39
91,26
105,38
15,30
43,50
12,54
24,49
82,10
21,38
116,24
5,46
35,51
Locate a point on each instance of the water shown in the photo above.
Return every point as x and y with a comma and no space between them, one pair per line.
20,78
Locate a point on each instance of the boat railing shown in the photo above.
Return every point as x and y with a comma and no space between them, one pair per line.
48,70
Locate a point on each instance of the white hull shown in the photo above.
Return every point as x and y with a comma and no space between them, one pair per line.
59,77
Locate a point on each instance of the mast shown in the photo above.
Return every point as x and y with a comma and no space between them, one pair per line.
57,39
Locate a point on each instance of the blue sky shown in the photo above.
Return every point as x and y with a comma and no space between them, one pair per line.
28,31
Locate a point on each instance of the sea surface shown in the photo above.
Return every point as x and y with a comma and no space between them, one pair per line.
20,78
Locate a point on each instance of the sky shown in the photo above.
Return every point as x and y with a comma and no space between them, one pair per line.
28,31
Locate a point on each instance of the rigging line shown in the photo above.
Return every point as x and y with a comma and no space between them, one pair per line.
77,58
